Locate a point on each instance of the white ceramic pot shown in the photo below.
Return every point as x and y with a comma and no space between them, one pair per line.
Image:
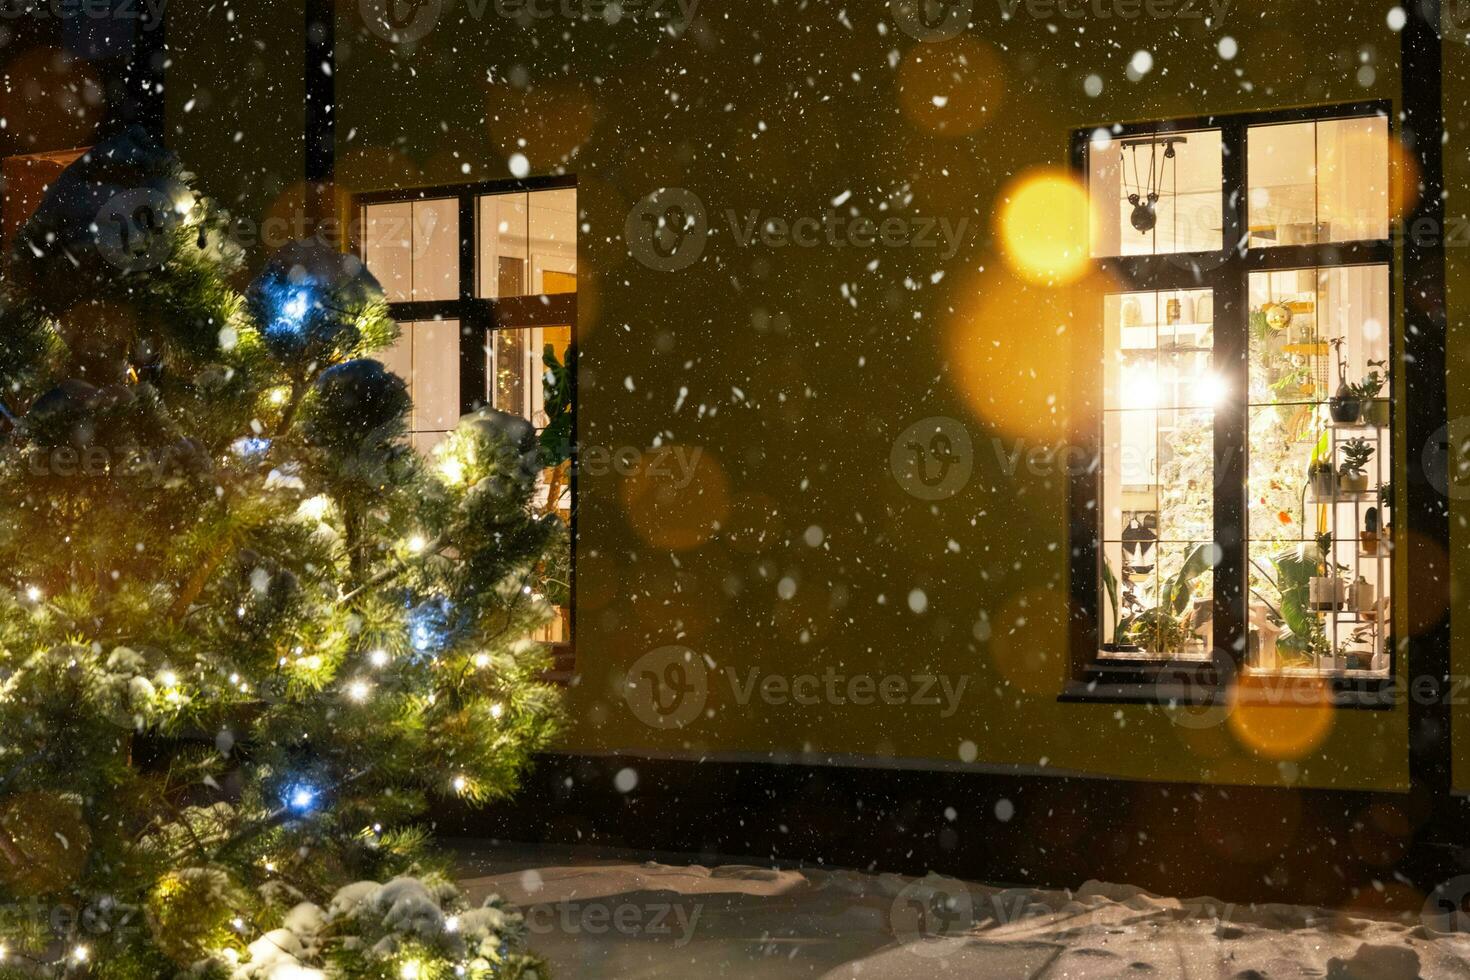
1325,592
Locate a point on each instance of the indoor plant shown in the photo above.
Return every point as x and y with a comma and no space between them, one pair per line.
1321,479
1345,406
1352,474
1325,590
1368,537
1374,409
1360,595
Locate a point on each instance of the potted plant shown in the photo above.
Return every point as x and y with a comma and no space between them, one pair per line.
1359,658
1353,473
1325,590
1322,479
1368,537
1345,406
1360,595
1374,409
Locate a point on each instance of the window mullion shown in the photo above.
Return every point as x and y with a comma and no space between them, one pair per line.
1230,360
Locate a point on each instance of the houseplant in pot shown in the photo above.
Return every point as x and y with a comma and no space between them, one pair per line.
1360,596
1345,406
1321,479
1374,409
1368,537
1325,590
1353,472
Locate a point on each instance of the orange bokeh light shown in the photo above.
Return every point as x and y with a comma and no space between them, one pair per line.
1280,718
1043,223
674,508
951,88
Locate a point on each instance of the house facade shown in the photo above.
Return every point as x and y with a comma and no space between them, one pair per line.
955,386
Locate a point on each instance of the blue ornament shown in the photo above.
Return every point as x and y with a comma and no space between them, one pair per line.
431,627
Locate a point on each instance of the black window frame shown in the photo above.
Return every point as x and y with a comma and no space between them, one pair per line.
1227,272
479,317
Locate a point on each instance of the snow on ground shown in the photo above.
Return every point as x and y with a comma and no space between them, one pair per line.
596,917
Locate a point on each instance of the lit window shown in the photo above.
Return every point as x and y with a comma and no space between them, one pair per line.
1241,506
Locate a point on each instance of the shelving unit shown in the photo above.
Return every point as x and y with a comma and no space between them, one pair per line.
1344,515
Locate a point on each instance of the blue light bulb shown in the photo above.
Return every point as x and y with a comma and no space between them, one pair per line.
300,798
291,314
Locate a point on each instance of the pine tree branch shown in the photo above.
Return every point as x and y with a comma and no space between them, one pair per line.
389,574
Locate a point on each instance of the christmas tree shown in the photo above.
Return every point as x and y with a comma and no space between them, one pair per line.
247,636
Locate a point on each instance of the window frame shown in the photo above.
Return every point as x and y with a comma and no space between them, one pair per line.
479,317
1227,272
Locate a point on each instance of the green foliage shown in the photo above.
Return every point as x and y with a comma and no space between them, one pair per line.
557,436
247,637
1373,381
1356,454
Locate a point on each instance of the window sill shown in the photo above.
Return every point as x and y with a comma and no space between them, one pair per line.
1179,683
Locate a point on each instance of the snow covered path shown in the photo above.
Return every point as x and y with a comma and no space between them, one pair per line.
604,917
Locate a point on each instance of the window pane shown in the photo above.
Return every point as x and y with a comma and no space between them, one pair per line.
387,248
436,250
1316,334
503,221
553,243
1160,391
1317,182
436,375
413,249
426,357
1187,212
517,372
528,243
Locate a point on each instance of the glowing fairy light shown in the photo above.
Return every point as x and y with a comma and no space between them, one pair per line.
278,396
496,710
292,314
80,954
169,678
482,660
412,970
459,783
300,798
452,469
34,594
379,658
451,924
358,691
417,544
